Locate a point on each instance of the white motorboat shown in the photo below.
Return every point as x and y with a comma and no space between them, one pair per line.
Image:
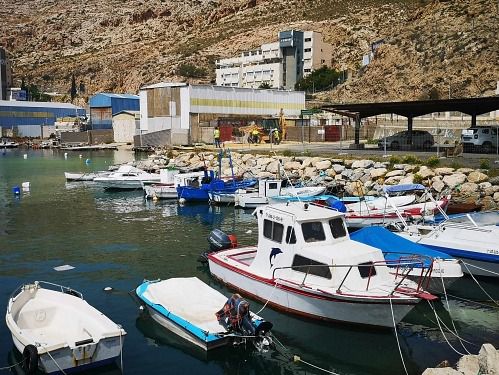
471,237
169,180
8,144
56,329
194,311
388,209
305,263
272,191
126,177
86,176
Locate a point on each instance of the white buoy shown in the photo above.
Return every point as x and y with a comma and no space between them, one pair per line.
248,231
25,156
81,156
25,185
65,155
108,289
181,200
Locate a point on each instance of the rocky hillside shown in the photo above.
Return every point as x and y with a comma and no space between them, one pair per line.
120,45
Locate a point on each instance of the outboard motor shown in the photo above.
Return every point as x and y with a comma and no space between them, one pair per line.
218,240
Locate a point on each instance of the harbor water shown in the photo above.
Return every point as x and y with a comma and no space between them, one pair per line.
118,239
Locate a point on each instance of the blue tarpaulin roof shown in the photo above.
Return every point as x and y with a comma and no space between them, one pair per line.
387,241
403,187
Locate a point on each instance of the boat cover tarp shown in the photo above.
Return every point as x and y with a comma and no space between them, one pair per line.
387,241
403,187
190,299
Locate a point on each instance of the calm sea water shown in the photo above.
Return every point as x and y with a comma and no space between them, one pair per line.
117,239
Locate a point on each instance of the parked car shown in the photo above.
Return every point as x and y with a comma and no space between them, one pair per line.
479,139
400,141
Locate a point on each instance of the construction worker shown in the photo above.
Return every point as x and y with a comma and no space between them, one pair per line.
255,135
275,136
216,137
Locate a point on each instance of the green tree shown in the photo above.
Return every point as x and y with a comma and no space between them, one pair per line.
265,85
191,71
318,80
73,88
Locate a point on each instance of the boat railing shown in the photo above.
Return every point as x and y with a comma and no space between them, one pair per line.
48,285
403,267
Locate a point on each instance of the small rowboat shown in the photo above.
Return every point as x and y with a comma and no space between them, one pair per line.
57,330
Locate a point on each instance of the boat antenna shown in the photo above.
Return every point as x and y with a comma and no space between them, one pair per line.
287,176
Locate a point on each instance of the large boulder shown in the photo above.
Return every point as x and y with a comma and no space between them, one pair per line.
347,173
425,172
407,179
438,185
307,162
263,161
292,165
397,172
331,172
362,164
340,168
494,180
445,171
477,177
488,358
465,170
394,180
323,165
273,166
310,172
468,365
377,172
441,371
455,179
468,188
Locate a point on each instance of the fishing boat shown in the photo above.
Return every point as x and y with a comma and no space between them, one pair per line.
387,209
192,310
126,177
58,331
169,180
305,263
8,144
472,238
443,269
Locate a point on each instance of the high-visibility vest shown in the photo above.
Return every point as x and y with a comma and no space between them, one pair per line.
216,133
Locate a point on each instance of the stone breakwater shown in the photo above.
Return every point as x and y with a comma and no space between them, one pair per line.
349,176
486,362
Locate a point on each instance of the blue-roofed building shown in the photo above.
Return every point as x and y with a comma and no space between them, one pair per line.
104,106
34,119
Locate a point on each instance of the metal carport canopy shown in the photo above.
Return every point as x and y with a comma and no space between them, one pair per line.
470,106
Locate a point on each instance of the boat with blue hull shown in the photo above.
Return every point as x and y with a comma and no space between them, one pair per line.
195,319
215,186
443,269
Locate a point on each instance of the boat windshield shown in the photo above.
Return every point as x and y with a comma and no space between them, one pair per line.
337,227
313,231
480,218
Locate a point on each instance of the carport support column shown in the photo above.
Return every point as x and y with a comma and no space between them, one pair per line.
409,129
473,120
357,129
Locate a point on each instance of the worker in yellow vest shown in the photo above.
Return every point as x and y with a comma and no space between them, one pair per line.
216,137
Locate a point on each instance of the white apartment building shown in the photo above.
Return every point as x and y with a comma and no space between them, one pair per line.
280,64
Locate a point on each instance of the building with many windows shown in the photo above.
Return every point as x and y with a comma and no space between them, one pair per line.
279,65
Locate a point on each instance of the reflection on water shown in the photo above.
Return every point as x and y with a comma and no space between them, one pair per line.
117,239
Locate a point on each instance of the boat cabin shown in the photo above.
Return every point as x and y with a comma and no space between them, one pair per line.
298,241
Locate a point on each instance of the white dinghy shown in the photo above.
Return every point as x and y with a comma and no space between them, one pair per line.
305,263
57,330
196,312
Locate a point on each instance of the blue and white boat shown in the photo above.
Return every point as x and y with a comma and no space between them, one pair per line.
188,308
441,268
473,238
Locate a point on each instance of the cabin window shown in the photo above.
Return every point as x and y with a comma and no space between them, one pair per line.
290,235
366,269
312,267
272,185
337,227
273,231
313,231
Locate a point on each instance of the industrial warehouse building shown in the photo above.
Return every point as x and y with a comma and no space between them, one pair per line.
179,113
35,119
104,106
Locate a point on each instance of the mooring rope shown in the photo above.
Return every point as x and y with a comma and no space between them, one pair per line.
271,294
11,366
452,320
442,331
397,337
476,281
52,358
